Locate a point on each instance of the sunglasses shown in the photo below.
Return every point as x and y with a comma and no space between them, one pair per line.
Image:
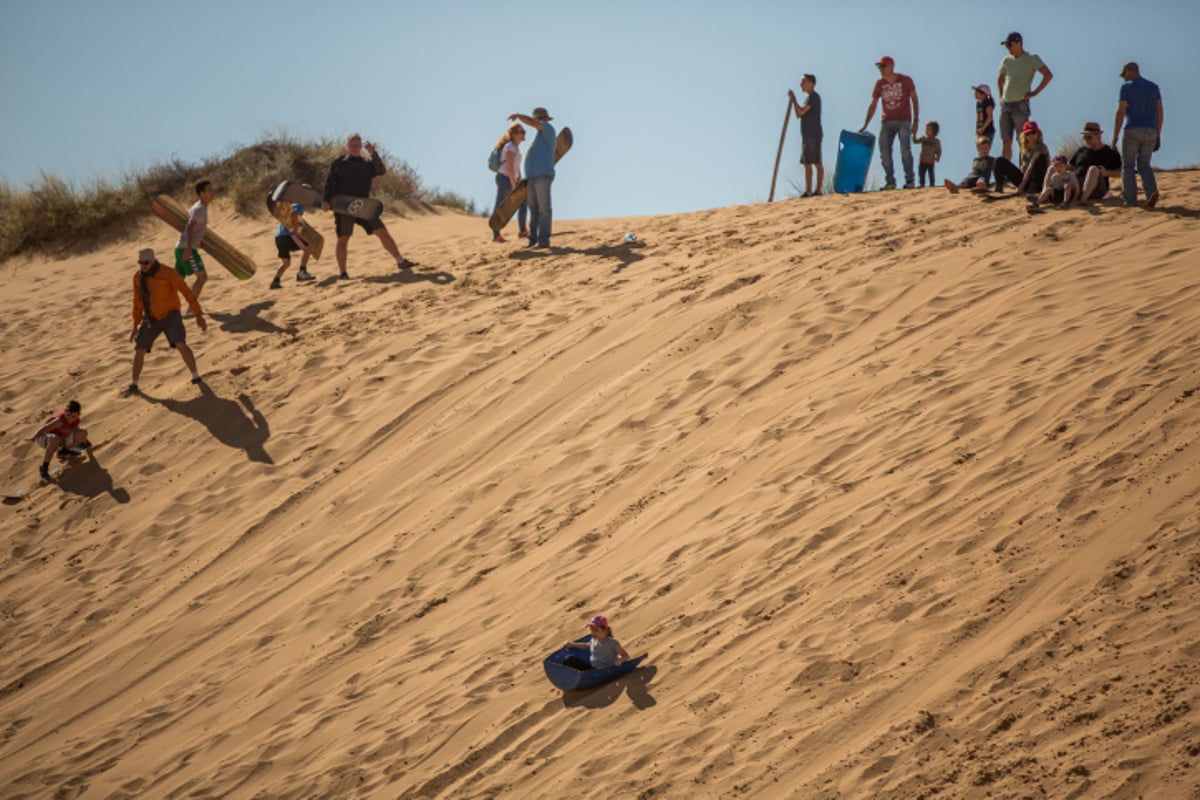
145,263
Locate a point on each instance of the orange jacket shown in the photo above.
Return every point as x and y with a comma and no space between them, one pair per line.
165,288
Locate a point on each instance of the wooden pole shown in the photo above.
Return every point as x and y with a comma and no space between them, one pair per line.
778,155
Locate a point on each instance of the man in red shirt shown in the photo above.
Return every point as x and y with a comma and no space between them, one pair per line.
901,114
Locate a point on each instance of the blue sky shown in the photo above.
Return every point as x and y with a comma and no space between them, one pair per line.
675,106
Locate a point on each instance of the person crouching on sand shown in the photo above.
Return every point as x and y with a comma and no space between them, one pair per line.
604,650
61,433
156,291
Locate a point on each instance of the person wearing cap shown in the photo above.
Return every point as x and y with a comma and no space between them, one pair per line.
985,111
156,310
1059,184
1141,110
62,434
901,113
1035,160
809,115
603,650
187,253
1016,88
351,174
539,174
1095,163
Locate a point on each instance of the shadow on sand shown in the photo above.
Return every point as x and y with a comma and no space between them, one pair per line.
625,253
226,420
248,320
635,684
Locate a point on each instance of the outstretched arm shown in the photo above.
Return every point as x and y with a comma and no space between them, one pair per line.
525,119
870,114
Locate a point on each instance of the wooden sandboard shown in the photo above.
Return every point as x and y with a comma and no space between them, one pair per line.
232,259
504,212
288,217
360,207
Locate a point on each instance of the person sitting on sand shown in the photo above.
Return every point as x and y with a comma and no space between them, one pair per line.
605,651
980,176
1060,183
61,433
1095,163
1035,161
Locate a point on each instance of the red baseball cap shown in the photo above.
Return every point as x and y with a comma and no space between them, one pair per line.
1030,127
891,62
598,621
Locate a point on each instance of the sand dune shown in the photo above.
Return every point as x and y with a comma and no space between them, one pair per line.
898,491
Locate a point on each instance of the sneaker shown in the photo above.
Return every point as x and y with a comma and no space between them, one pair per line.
343,275
807,194
1152,199
69,452
499,239
404,264
887,187
275,284
44,472
910,185
524,233
131,390
64,452
196,381
305,275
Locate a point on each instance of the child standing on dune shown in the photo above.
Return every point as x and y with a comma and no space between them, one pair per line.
931,152
604,650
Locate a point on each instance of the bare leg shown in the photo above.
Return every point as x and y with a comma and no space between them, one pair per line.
342,245
201,279
284,263
139,358
1089,184
808,178
188,358
53,442
389,244
820,178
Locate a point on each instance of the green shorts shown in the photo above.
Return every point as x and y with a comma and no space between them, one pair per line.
185,267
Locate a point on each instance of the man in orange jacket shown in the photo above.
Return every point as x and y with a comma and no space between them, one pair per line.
156,310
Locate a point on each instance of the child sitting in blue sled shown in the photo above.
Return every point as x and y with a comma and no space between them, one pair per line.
605,651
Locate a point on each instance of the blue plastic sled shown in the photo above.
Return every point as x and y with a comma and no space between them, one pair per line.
570,679
853,161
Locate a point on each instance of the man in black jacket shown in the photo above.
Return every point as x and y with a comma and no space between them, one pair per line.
351,175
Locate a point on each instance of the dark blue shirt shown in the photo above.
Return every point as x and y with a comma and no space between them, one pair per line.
1141,97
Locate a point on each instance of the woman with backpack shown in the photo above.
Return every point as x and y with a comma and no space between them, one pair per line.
507,158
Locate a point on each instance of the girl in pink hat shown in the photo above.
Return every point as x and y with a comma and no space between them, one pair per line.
604,650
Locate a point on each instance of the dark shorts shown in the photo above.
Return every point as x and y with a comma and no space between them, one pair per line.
285,246
171,325
810,150
345,223
185,267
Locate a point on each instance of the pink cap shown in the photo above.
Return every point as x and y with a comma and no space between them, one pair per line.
598,621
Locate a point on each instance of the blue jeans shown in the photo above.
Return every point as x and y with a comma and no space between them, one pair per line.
888,131
540,213
1137,145
504,189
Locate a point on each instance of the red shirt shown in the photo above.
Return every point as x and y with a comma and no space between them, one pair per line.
60,425
896,96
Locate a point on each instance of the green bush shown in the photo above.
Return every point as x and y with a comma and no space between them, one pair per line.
51,214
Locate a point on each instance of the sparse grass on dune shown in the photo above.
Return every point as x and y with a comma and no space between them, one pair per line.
51,213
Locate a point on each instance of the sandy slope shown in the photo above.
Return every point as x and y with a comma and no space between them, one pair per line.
899,491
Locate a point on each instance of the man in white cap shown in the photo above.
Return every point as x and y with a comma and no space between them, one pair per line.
156,309
1016,88
539,174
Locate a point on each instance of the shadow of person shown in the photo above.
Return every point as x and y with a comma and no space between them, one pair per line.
89,479
441,277
225,419
248,320
625,253
602,696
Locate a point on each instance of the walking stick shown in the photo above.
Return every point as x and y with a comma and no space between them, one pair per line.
786,116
